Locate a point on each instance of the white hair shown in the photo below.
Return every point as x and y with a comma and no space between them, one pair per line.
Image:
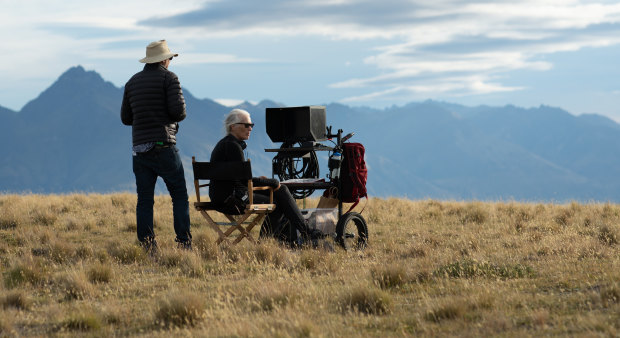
233,117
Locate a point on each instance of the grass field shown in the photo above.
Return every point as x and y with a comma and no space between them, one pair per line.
70,265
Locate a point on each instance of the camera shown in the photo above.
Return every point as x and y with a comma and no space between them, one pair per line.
296,124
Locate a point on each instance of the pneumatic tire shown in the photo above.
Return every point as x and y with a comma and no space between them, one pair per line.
352,231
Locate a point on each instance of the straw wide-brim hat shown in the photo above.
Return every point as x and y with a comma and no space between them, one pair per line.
157,51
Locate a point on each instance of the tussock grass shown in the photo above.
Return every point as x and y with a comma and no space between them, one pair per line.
312,260
100,273
82,321
366,300
6,328
390,276
46,217
273,296
84,252
26,271
62,252
71,265
16,299
273,254
74,285
8,221
472,213
126,253
452,310
609,235
472,269
610,296
180,310
205,245
188,263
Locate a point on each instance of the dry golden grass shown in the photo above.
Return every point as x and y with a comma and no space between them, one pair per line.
70,265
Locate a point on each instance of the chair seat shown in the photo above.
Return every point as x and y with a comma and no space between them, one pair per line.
215,206
205,205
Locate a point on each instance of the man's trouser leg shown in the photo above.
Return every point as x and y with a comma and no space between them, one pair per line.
145,187
171,170
272,225
281,221
285,201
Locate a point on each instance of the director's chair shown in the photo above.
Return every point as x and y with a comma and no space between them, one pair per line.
252,215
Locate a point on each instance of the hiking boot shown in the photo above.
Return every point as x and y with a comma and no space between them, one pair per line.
312,237
327,246
150,247
316,234
184,245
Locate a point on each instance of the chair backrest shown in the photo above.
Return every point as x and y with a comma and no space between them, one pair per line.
222,170
219,171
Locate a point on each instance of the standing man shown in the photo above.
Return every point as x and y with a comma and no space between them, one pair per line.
153,104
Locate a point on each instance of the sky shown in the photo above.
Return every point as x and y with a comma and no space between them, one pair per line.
355,52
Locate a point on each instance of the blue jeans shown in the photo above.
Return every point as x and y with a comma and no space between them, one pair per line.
166,163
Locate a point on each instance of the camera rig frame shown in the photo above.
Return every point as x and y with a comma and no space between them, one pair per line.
296,164
305,180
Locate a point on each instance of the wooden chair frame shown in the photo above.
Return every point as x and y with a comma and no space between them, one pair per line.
254,213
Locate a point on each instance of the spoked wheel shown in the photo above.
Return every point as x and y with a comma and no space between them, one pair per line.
352,231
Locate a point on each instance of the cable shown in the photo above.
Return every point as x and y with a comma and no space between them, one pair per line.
287,166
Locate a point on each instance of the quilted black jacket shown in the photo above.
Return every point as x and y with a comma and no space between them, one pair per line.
153,104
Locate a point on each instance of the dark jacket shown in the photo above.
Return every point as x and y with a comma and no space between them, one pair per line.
153,103
230,149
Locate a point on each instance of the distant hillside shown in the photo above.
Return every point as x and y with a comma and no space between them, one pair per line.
70,138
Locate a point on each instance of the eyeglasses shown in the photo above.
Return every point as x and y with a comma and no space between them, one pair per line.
171,58
247,125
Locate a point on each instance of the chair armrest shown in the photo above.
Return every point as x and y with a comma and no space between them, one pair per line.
253,188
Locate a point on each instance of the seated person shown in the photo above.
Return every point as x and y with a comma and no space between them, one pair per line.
286,219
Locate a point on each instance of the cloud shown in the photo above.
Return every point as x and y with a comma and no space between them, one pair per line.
405,49
417,89
282,16
212,58
454,47
82,31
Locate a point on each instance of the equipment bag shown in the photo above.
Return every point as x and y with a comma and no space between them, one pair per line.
353,174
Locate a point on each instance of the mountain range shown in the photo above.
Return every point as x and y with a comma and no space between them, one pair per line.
70,139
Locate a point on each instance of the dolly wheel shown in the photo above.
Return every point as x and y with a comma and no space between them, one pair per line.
352,231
